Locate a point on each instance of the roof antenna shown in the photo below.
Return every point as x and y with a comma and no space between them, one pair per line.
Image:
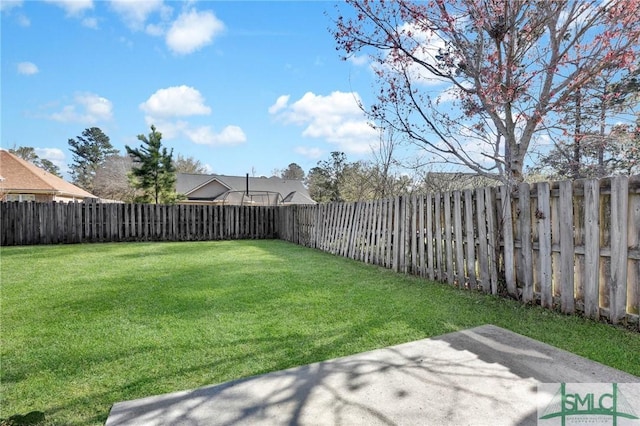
247,184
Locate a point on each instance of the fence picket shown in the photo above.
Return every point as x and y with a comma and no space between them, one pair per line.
439,240
567,257
421,264
619,247
525,266
543,216
483,244
448,240
429,237
592,248
470,240
508,241
458,238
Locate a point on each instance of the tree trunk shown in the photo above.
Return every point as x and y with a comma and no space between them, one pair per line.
577,139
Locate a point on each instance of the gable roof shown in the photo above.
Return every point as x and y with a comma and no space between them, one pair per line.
21,176
291,191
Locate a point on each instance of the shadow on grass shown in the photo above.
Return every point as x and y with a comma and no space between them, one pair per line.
275,353
482,376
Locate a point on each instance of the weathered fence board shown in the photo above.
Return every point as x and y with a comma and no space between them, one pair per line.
543,216
470,240
619,247
567,257
592,248
508,255
525,264
484,279
458,239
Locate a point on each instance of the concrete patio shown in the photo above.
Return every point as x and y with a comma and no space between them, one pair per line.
481,376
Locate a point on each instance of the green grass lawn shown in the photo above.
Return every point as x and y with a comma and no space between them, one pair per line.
85,326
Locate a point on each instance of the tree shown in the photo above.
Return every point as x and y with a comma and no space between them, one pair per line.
359,182
595,113
507,67
385,176
49,167
28,153
189,165
89,150
293,172
325,179
337,179
616,152
112,181
153,171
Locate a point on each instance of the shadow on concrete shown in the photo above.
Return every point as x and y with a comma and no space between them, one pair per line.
485,375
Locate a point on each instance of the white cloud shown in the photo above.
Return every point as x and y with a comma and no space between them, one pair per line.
336,118
204,135
426,47
181,101
281,103
136,12
90,23
313,152
452,93
7,5
579,17
169,129
55,155
358,60
73,7
27,68
88,108
23,21
175,101
192,31
155,30
201,135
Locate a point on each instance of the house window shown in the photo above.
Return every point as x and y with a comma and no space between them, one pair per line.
20,197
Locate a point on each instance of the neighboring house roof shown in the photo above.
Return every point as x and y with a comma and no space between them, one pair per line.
21,176
214,187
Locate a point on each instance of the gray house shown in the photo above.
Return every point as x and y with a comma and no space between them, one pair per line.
240,190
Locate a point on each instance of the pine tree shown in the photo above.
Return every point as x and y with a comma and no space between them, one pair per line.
89,153
28,153
153,170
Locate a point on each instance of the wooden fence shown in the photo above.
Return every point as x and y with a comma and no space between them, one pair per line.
52,223
568,245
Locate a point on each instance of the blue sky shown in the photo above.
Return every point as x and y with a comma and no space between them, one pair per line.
241,86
